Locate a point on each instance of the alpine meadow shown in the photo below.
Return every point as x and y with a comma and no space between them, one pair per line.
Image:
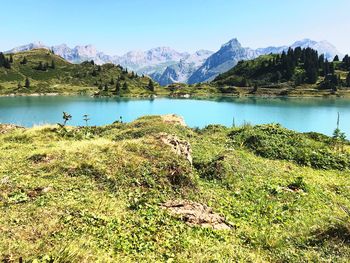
194,131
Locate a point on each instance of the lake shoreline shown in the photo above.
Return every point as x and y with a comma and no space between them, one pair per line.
303,114
341,94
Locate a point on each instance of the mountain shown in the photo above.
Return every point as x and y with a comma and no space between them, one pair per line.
142,59
181,71
323,47
147,62
30,46
232,52
79,54
49,73
221,61
75,55
166,65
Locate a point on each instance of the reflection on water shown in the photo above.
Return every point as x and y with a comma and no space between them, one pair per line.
309,114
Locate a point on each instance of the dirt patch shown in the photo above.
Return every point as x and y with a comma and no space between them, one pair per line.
292,190
180,147
39,191
5,128
196,214
173,119
40,158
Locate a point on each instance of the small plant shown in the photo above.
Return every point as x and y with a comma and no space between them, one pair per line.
339,137
66,117
298,184
120,120
86,119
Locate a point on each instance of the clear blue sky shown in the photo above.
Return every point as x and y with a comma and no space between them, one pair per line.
116,26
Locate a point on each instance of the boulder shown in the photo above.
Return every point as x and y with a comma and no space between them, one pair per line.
196,214
173,119
180,147
5,128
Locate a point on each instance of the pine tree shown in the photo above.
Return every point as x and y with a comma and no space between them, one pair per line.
117,88
40,66
311,74
27,83
346,62
2,59
255,87
150,85
336,58
24,61
321,63
112,81
125,86
53,65
331,68
11,59
326,68
278,76
348,80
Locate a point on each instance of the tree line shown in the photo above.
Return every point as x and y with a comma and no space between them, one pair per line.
299,65
5,62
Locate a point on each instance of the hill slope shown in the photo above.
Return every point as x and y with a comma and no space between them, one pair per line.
296,67
232,52
49,73
94,194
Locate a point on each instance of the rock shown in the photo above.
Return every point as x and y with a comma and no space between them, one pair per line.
5,128
39,191
173,119
196,214
180,147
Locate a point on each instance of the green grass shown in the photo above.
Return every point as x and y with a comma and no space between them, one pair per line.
68,78
94,194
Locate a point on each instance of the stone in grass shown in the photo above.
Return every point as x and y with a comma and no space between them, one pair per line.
196,214
5,128
180,147
173,119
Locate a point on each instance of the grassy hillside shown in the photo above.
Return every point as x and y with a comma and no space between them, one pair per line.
294,73
48,73
95,193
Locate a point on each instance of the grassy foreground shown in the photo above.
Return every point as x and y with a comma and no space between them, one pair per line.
93,194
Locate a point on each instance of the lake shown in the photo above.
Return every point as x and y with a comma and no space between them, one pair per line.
306,114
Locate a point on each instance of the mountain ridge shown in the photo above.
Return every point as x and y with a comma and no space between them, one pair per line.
166,65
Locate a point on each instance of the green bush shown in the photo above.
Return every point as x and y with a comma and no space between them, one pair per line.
274,142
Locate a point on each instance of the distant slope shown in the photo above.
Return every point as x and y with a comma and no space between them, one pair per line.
49,73
232,52
295,67
322,47
221,61
181,71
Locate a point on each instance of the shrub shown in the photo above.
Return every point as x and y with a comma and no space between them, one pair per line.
274,142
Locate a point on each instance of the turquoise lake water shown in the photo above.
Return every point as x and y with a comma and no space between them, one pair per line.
309,114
